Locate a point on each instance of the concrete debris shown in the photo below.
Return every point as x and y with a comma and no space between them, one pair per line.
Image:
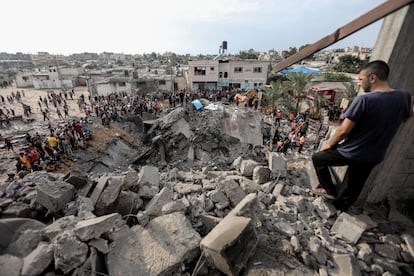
195,192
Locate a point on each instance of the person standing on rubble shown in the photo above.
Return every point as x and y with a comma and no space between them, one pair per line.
370,124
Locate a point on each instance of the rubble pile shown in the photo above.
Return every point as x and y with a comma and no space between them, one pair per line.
195,198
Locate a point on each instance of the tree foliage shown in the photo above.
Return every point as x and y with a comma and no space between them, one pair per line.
298,82
250,54
348,64
329,76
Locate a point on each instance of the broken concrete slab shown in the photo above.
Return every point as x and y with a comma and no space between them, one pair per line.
230,244
160,248
54,195
261,174
277,162
68,251
344,264
77,178
182,126
232,190
109,195
247,167
11,265
25,242
148,181
93,228
349,227
59,226
38,260
154,207
99,188
187,188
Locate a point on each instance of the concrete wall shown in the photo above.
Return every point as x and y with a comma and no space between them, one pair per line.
394,177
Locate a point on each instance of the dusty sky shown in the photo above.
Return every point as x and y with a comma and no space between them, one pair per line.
179,26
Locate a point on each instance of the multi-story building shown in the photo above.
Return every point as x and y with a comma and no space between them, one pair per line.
227,74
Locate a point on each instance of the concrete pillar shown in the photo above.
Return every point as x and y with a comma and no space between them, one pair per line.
394,177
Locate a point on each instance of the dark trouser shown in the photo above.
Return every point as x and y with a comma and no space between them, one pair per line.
354,180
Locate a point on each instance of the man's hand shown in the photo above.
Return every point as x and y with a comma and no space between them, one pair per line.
326,146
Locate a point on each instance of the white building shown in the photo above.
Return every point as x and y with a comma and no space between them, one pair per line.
225,74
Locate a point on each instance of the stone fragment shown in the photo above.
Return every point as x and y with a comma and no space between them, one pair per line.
232,190
237,163
249,186
230,244
316,250
17,210
247,167
277,190
261,174
277,162
149,176
294,241
10,265
386,250
187,188
60,225
209,222
85,207
100,186
143,218
344,264
100,244
69,252
25,243
93,228
154,207
324,209
76,178
409,241
365,252
38,260
109,195
160,248
172,207
128,203
54,195
349,228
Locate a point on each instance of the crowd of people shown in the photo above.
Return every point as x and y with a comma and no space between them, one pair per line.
295,138
61,137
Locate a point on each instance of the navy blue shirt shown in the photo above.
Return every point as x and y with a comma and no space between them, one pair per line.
377,117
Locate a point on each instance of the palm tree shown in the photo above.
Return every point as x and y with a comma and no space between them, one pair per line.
273,93
351,91
298,81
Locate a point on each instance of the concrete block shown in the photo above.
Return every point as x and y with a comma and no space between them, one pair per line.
187,188
109,195
93,228
232,190
154,207
76,178
349,227
69,252
38,260
277,162
54,195
230,244
149,181
100,186
261,174
161,248
344,264
10,265
247,167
